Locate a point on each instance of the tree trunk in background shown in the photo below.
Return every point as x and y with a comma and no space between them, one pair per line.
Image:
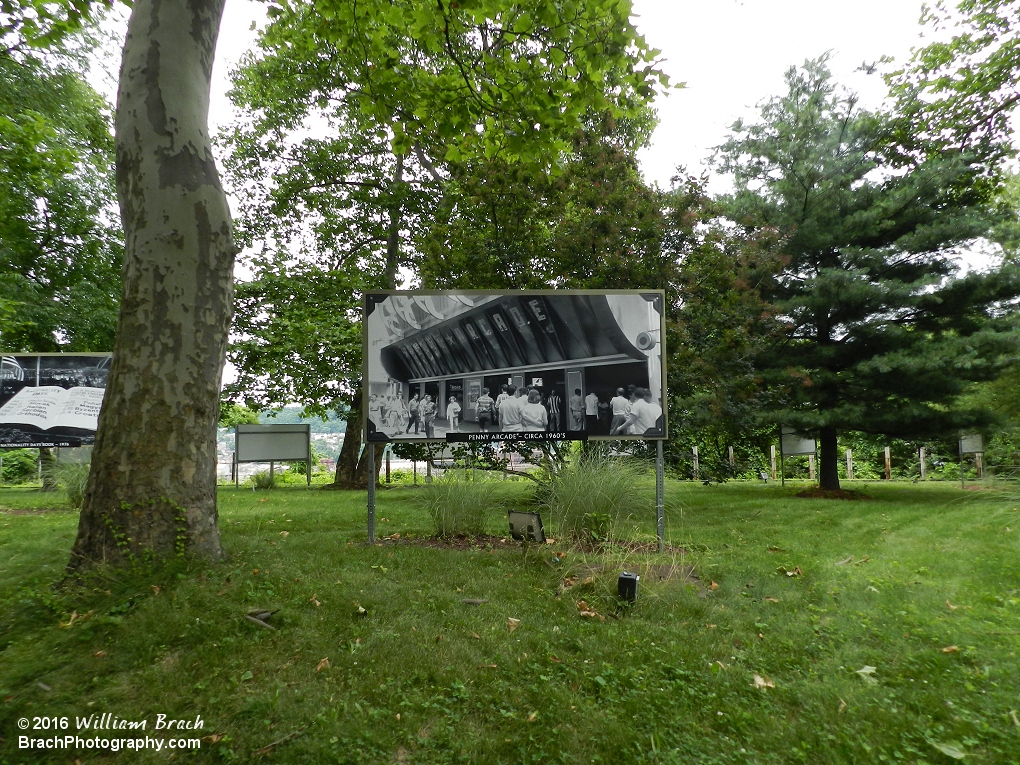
49,463
828,468
348,475
152,487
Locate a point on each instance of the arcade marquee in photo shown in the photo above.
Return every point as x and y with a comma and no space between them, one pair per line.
502,365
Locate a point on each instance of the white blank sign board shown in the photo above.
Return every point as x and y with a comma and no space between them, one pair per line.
272,443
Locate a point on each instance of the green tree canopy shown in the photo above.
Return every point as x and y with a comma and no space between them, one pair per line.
349,151
60,245
881,332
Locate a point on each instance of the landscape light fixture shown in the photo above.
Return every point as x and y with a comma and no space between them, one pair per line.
526,527
626,586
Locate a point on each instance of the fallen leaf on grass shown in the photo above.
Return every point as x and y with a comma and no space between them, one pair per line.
797,571
532,716
259,622
361,611
1014,718
842,706
314,600
222,592
950,649
550,541
950,606
323,664
213,738
487,666
512,624
588,612
713,586
844,561
774,549
155,589
284,533
949,749
476,636
763,682
99,654
709,626
553,658
871,588
867,673
74,616
772,600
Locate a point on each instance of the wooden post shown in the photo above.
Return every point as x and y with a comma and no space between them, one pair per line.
924,468
733,461
811,466
415,463
697,470
849,465
979,464
772,450
888,465
387,465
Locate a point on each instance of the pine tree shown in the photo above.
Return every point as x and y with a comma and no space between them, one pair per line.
881,332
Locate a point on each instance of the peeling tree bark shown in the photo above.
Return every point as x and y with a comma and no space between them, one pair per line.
152,487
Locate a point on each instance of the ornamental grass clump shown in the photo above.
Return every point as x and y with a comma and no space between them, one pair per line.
459,504
263,481
72,477
587,500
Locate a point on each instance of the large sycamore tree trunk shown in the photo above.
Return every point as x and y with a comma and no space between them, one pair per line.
152,487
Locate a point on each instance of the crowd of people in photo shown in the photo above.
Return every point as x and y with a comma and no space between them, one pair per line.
631,412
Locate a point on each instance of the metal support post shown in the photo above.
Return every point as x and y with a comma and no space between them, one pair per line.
371,493
660,504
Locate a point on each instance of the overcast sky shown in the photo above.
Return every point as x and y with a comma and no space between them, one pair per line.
731,53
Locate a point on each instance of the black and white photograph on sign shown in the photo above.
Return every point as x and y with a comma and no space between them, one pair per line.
584,363
51,399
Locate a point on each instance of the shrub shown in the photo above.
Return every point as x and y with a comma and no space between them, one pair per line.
587,499
20,465
459,505
263,481
72,477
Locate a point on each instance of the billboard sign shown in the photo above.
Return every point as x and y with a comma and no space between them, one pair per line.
51,399
476,365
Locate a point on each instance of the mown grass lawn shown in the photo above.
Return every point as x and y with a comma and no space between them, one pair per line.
377,659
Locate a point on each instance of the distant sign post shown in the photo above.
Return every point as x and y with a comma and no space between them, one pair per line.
273,443
793,444
970,443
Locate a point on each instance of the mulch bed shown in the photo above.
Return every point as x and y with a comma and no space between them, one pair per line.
493,542
832,494
30,510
